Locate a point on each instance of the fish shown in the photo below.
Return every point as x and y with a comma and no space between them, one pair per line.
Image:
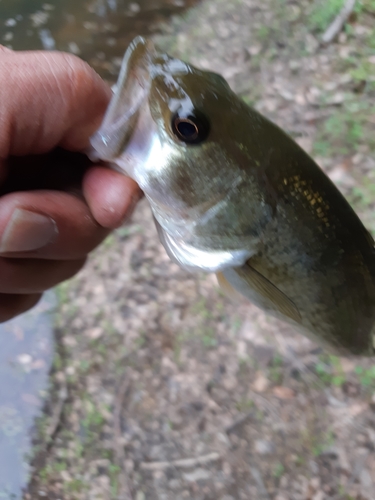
231,193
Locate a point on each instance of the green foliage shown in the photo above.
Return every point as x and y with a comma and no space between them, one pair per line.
276,369
278,470
74,486
346,128
209,337
329,370
201,309
114,471
365,5
344,131
323,12
366,376
362,198
325,442
245,404
263,33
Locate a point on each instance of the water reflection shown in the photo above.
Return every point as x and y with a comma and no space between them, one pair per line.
26,355
98,30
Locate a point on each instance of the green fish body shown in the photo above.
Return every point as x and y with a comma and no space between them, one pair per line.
231,193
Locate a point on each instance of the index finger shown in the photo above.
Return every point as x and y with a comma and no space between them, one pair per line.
48,99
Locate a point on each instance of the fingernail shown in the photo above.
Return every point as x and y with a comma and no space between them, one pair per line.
27,231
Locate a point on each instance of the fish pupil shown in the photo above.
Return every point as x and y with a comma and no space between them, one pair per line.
191,128
187,129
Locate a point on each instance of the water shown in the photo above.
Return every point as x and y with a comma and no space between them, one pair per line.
26,354
99,32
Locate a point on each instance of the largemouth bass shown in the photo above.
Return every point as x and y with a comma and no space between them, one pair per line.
233,194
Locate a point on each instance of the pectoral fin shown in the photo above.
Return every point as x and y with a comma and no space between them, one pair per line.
260,290
227,288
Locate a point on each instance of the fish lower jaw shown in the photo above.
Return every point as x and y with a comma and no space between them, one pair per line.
193,259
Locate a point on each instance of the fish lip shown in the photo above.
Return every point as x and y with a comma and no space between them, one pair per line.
129,95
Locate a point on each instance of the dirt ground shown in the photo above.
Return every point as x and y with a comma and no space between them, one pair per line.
163,388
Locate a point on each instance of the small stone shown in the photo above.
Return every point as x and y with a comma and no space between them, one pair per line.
337,98
261,383
197,475
70,370
254,50
69,341
94,333
264,447
315,483
65,476
286,94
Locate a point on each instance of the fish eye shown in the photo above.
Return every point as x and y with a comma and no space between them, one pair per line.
191,128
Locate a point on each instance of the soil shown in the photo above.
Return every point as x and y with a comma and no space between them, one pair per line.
164,389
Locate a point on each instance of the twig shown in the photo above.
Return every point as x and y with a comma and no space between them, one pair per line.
56,416
337,24
238,422
183,462
124,490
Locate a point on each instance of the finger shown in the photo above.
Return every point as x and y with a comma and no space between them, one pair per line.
110,195
12,305
47,224
48,99
29,276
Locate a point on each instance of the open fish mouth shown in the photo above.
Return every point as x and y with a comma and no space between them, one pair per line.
129,141
130,95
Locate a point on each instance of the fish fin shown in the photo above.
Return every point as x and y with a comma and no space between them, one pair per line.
227,288
269,291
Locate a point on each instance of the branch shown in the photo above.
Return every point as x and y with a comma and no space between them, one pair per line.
183,462
337,24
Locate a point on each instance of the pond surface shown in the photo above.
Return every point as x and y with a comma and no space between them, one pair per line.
98,31
26,354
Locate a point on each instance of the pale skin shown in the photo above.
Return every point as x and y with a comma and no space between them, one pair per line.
50,99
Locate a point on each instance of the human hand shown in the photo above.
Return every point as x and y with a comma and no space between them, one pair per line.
48,222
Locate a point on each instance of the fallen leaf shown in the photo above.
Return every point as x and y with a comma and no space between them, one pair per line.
282,392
